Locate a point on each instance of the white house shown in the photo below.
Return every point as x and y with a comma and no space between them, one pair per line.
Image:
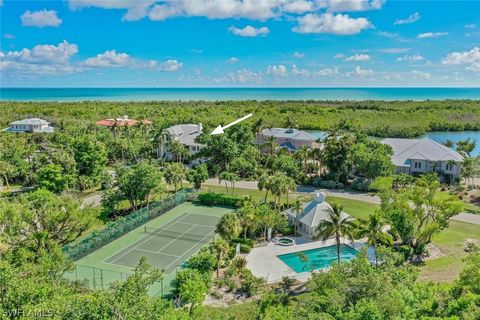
309,217
186,135
290,139
30,125
416,156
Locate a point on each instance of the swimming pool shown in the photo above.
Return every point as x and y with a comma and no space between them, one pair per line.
318,258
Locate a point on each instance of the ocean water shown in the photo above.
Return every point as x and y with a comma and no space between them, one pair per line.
213,94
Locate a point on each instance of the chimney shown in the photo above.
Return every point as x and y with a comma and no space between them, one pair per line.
199,128
320,197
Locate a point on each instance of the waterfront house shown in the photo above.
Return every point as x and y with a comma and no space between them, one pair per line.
185,134
121,122
30,125
310,215
417,156
290,139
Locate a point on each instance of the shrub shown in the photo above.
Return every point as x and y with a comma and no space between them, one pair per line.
219,199
327,184
244,248
361,184
116,229
247,241
250,284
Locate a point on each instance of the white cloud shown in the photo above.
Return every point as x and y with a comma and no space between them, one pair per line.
420,75
475,67
329,23
414,17
431,35
395,50
8,36
410,58
465,57
41,59
249,31
471,57
233,60
298,7
354,5
170,65
339,56
277,71
108,59
358,57
40,19
361,73
245,76
472,34
471,26
327,72
300,72
298,55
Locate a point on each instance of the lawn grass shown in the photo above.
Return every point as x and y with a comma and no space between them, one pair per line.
450,241
356,208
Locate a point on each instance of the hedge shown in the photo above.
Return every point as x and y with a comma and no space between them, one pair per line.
117,228
219,199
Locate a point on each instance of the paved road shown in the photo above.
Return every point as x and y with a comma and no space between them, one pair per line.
463,217
92,201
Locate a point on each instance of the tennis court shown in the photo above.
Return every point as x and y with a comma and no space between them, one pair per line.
169,245
167,241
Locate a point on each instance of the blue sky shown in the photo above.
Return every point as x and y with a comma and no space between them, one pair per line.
239,43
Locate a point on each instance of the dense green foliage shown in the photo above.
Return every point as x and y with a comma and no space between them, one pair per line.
380,118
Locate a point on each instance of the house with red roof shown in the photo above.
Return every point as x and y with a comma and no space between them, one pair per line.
121,122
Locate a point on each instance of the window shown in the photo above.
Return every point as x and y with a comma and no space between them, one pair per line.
449,167
418,165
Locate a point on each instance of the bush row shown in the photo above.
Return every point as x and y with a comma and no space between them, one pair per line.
327,184
219,199
117,228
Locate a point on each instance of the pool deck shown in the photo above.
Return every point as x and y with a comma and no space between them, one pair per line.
264,263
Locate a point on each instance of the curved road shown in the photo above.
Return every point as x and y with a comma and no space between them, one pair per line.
463,217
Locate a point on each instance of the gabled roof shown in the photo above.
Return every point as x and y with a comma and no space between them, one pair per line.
420,149
292,134
124,121
288,145
186,133
315,211
31,121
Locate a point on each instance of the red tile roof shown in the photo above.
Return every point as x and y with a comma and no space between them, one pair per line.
121,122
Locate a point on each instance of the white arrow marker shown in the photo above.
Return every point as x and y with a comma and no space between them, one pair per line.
220,129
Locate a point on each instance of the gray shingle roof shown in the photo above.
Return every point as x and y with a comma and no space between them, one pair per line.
420,149
186,133
31,121
292,134
315,211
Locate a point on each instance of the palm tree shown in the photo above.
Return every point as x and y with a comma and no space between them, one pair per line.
374,230
264,183
302,155
335,226
228,227
298,210
257,127
289,185
270,143
231,177
246,216
220,248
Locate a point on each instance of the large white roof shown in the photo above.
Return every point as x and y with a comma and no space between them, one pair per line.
315,211
420,149
31,121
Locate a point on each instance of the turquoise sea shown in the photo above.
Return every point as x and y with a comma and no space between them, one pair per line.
213,94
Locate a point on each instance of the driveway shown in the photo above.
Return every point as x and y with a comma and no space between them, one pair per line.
462,217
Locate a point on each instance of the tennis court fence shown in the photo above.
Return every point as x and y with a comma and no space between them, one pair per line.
99,278
118,228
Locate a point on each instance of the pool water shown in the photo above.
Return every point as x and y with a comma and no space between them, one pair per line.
318,258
